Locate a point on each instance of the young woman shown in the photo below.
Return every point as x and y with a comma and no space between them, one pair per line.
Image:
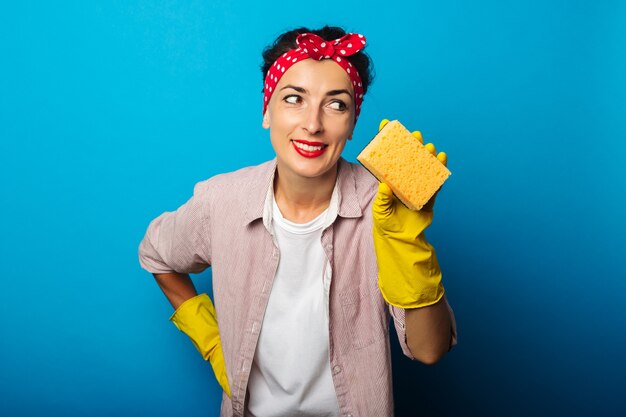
311,257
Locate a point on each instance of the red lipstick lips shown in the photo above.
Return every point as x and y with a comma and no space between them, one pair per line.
308,149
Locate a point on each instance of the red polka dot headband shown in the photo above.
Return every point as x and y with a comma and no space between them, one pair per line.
314,47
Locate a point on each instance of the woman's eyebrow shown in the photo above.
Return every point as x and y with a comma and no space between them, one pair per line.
298,89
337,92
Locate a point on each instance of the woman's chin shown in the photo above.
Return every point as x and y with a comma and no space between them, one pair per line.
313,167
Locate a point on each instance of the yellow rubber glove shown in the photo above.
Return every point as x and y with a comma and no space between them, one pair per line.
408,272
196,318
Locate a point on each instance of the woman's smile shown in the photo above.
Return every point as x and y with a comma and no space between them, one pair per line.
309,149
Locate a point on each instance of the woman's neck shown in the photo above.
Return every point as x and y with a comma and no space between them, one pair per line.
301,200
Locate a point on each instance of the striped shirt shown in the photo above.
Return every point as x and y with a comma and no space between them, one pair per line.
226,225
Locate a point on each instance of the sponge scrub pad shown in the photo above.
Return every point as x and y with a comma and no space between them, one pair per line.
398,159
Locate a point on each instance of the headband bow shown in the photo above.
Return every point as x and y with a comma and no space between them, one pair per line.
318,48
313,46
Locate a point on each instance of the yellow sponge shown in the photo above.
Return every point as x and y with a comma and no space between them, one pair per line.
398,159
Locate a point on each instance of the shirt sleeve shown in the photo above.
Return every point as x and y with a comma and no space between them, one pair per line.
399,321
178,241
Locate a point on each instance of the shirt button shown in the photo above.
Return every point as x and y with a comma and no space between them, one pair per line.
336,370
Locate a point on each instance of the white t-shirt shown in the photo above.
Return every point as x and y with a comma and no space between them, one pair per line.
290,373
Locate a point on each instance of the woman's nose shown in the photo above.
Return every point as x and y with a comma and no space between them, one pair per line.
313,121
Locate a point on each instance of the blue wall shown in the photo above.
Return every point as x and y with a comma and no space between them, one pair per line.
111,111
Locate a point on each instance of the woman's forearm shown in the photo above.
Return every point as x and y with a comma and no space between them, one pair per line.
429,331
178,288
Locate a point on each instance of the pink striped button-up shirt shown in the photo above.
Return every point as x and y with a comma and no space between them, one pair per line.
225,226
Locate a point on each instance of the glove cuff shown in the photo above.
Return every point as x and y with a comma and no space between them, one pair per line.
190,307
417,299
196,318
410,278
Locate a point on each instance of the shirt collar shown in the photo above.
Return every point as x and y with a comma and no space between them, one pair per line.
261,192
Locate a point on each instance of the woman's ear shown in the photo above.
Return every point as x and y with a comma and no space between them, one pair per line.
266,119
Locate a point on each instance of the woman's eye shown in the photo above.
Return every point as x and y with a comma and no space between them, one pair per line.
338,105
292,99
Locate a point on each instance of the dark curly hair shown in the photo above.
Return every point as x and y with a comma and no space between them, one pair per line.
287,41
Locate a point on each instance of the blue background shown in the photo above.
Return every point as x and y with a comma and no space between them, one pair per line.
111,111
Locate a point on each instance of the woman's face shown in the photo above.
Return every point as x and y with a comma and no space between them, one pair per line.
310,116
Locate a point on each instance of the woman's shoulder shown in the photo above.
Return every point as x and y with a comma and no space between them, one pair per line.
355,177
362,174
238,181
362,177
